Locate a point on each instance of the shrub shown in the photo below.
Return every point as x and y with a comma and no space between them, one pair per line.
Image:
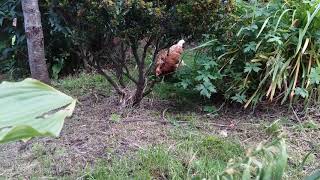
12,40
68,23
112,37
262,51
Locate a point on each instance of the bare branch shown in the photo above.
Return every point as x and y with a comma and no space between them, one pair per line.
134,48
118,70
108,77
153,58
140,86
124,65
149,90
128,75
121,81
125,72
145,49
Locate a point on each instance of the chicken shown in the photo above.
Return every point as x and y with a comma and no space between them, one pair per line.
168,60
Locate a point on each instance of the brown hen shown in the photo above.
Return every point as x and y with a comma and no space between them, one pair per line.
168,60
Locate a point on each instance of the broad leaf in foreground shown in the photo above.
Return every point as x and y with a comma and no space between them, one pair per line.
31,108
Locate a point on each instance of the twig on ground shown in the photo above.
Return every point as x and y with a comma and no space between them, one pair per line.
219,125
144,120
296,115
163,115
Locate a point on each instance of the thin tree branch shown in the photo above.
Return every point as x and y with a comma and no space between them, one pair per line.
108,77
152,84
145,49
125,72
155,53
124,65
140,86
118,70
130,77
134,48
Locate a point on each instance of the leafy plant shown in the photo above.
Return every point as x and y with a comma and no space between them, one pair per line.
266,161
205,72
115,117
263,51
30,108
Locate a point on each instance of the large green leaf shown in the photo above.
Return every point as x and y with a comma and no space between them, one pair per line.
31,108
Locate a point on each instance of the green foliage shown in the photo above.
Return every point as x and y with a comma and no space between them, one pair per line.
210,109
12,39
195,17
315,75
306,126
115,117
205,72
266,161
199,157
274,129
169,91
261,51
195,157
75,29
30,108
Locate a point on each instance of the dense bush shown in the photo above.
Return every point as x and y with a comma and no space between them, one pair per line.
69,25
12,39
111,37
261,51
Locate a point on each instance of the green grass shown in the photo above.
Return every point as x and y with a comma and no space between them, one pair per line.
194,156
83,84
45,161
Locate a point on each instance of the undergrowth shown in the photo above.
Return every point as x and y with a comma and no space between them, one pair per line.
194,156
198,156
262,50
83,84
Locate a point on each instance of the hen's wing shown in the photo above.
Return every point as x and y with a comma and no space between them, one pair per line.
161,60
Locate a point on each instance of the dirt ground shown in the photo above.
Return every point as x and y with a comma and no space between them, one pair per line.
95,131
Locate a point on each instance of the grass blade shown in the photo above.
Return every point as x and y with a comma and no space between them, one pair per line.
263,26
278,22
304,31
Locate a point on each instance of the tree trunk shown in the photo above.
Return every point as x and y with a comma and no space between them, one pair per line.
35,40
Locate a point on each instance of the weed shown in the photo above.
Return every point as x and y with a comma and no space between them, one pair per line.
45,160
274,128
309,125
115,118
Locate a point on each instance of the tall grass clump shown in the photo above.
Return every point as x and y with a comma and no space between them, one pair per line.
266,161
260,51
